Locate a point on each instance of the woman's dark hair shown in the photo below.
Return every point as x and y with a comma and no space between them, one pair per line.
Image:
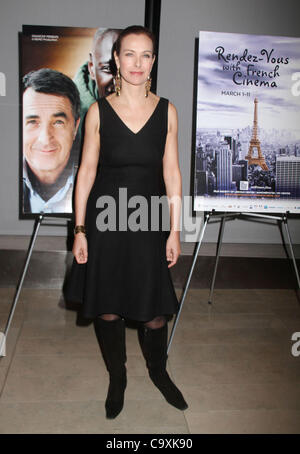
135,30
53,82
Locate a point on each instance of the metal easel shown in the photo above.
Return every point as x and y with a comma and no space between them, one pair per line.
3,336
280,220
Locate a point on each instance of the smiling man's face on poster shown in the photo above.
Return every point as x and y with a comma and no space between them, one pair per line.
51,105
49,130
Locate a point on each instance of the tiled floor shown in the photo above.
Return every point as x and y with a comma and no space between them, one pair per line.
232,361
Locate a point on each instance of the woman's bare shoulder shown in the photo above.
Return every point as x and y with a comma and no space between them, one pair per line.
172,117
93,108
172,111
172,108
92,116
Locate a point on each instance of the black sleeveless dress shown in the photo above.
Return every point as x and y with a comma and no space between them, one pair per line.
127,272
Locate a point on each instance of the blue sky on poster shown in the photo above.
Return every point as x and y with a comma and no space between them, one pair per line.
278,108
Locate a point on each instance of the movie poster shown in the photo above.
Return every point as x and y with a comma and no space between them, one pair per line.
247,155
63,71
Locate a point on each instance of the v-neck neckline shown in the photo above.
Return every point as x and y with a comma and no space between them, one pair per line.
127,127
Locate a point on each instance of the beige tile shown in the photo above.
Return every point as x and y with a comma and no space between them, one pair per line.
56,365
136,365
223,336
6,302
79,384
181,354
31,300
60,365
266,396
5,309
64,388
266,300
53,417
45,328
141,388
149,412
36,304
57,346
154,430
233,301
197,307
283,311
190,320
244,422
284,307
238,372
231,360
197,295
132,343
41,295
56,316
16,321
235,295
243,307
11,342
3,373
7,293
275,296
291,321
86,417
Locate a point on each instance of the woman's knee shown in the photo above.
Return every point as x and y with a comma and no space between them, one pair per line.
109,317
156,323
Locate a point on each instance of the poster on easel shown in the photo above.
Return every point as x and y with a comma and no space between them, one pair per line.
63,70
247,152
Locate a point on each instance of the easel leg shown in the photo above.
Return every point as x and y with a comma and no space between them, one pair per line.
220,239
279,223
291,249
19,286
188,280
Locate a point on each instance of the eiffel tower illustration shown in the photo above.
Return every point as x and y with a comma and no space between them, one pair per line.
255,144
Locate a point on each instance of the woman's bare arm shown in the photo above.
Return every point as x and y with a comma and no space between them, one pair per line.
85,179
171,171
88,167
173,183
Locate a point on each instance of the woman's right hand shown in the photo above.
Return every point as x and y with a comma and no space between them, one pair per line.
80,250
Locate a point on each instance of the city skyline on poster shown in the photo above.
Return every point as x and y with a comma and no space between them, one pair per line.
247,153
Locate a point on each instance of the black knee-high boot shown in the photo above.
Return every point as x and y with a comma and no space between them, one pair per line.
111,339
154,347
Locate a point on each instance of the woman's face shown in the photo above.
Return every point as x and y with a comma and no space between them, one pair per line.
136,58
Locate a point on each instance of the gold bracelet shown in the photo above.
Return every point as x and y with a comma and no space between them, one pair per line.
79,228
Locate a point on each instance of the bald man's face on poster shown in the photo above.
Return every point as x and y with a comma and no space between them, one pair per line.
99,62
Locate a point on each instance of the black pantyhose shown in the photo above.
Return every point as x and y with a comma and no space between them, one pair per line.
155,323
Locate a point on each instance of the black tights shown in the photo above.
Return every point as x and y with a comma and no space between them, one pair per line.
156,323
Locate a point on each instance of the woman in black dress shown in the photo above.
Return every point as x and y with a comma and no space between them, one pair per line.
130,144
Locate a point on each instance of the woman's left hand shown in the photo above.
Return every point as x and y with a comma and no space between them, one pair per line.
173,248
